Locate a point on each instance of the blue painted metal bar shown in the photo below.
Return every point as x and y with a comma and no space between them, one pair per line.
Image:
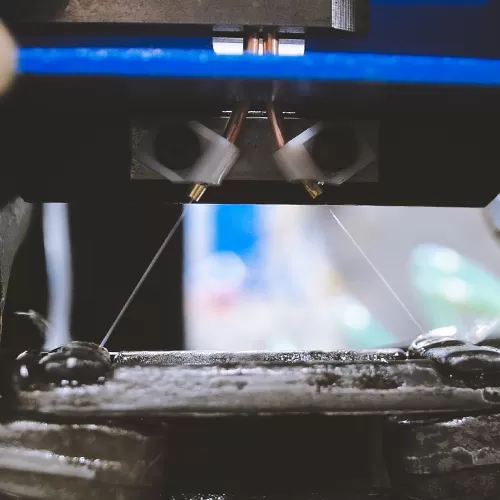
314,66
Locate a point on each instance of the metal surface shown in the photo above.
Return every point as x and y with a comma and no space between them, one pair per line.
15,218
348,15
211,358
459,356
78,461
263,388
440,27
345,495
456,458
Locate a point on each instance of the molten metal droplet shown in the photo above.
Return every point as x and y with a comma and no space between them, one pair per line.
78,362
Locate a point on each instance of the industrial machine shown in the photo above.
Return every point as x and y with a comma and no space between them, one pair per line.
383,102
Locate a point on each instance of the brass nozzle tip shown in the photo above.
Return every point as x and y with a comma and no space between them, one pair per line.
313,188
197,192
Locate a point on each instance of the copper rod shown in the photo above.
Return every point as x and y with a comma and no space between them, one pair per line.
271,46
239,114
276,130
251,42
236,121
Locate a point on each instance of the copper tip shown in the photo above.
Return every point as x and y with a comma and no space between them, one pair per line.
197,192
313,188
271,43
251,41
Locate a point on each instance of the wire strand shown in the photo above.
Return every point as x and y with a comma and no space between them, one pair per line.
378,273
144,276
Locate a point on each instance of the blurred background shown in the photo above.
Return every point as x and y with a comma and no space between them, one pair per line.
289,277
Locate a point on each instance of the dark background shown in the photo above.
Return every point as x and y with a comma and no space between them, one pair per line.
112,246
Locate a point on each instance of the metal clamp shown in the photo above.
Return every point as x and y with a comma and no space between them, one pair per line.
218,155
298,165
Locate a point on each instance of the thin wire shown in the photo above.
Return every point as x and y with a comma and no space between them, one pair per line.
378,273
145,275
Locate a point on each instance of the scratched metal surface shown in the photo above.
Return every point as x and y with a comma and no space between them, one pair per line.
78,461
211,358
262,388
315,13
475,442
345,495
455,458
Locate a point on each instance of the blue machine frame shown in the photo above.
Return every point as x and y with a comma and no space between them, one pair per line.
409,41
321,66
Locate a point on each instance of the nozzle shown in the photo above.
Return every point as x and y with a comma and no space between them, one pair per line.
313,188
197,192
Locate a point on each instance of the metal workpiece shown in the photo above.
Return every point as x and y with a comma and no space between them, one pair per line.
347,495
455,458
351,15
32,10
443,445
348,15
315,154
214,358
82,362
457,354
399,387
75,363
78,461
217,156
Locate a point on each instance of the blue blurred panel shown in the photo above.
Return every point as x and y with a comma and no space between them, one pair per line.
322,66
236,229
